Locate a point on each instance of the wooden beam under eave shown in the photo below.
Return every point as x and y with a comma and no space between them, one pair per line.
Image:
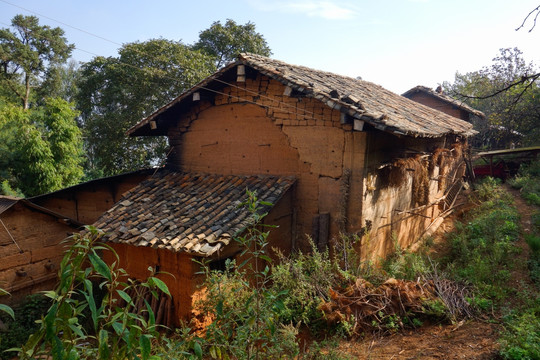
358,125
241,73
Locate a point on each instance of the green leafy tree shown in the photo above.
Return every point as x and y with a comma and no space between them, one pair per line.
117,92
61,81
40,149
507,97
28,53
225,42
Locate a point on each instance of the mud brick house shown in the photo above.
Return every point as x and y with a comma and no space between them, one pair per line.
437,99
332,153
30,246
32,230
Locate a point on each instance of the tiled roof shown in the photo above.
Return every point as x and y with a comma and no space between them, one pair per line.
445,98
360,99
195,213
6,202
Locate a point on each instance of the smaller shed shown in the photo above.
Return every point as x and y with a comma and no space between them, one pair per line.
174,217
437,99
31,245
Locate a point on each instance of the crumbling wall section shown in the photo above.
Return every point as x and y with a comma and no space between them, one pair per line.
406,196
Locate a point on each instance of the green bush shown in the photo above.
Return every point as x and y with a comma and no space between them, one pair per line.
306,278
405,265
482,247
528,182
521,338
23,324
244,308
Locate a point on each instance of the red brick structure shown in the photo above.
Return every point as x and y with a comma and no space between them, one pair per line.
31,246
32,230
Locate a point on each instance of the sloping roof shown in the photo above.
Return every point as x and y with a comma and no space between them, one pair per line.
195,213
6,202
445,98
359,99
107,179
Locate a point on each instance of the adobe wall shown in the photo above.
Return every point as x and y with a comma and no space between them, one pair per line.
40,238
136,260
395,210
279,135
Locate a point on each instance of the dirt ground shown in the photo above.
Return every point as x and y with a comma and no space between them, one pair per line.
472,339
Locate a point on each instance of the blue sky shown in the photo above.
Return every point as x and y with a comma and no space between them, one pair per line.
395,43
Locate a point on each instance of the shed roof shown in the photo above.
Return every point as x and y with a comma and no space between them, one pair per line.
6,202
188,212
359,99
444,98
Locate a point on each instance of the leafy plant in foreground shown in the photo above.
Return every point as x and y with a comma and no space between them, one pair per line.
20,323
112,332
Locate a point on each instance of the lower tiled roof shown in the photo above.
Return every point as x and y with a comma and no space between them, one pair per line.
191,212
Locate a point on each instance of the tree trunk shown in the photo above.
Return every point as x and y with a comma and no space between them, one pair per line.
27,92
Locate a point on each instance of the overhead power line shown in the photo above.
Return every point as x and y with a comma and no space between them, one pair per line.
63,23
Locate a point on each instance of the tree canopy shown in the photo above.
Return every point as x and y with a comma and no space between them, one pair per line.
117,92
40,149
28,53
114,93
512,106
40,142
225,42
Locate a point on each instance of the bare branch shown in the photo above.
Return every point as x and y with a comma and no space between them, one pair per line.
537,10
529,79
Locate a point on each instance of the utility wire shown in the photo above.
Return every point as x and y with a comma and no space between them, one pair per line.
63,23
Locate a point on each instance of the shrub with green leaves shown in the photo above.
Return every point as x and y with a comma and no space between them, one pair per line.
482,247
306,278
521,338
21,322
244,308
528,182
113,332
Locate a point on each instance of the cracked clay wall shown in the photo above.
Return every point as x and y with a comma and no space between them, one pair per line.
399,208
255,128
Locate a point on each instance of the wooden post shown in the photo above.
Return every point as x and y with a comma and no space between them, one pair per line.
315,229
324,229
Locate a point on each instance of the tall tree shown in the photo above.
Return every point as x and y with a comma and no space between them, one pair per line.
512,106
40,149
27,52
225,42
117,92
